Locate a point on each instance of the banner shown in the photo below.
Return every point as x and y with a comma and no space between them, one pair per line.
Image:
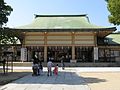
95,53
23,54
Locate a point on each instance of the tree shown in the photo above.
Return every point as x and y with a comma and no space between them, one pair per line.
9,37
5,11
114,9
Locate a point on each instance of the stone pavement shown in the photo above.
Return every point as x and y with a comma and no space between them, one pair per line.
67,79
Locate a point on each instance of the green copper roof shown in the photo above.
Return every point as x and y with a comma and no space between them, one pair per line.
114,38
60,22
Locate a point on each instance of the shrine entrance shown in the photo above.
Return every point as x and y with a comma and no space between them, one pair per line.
84,54
35,51
55,53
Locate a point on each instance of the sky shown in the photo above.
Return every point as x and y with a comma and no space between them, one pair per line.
24,10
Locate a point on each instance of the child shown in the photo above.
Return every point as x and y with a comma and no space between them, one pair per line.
56,70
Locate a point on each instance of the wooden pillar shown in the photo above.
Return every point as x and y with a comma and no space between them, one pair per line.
45,46
23,42
95,38
73,52
45,53
73,46
29,55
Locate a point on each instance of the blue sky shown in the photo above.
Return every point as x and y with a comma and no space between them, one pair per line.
24,10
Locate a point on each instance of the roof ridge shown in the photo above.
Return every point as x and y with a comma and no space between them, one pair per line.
53,15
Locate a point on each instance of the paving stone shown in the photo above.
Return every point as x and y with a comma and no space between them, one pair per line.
66,80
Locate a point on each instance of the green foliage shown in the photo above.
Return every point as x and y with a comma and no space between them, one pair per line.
8,38
5,10
114,9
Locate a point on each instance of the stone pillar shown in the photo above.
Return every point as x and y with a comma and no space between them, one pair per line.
45,53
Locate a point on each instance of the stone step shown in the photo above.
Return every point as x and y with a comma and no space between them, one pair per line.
67,64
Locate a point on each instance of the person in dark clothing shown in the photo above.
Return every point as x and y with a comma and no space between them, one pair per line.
40,68
62,63
35,61
35,67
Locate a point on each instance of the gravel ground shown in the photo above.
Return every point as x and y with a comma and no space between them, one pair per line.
102,80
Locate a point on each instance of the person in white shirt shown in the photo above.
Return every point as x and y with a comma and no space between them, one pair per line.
49,67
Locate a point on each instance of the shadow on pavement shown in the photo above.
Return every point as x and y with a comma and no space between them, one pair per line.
11,76
93,80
